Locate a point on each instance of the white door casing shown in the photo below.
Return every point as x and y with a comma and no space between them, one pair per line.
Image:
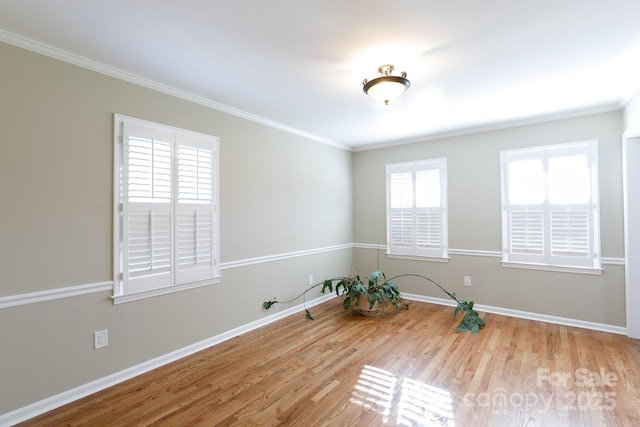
631,177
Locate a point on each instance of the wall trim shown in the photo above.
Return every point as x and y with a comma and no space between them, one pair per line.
553,268
108,70
283,256
370,246
54,294
613,261
73,291
474,252
482,253
576,323
38,408
490,127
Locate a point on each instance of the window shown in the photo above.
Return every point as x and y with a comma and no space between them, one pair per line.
417,209
166,219
550,212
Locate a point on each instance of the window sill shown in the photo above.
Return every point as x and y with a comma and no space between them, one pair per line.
554,268
418,258
121,299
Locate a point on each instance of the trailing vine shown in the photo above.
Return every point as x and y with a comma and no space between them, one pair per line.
351,287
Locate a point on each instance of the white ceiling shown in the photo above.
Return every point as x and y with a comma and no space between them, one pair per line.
299,64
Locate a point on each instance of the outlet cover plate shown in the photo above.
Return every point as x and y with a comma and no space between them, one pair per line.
100,339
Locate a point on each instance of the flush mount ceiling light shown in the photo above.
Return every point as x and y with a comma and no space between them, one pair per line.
386,88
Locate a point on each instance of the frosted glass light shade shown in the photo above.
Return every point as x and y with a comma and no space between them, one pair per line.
386,88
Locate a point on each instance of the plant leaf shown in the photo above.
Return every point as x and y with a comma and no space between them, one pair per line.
328,284
375,275
455,312
475,328
267,304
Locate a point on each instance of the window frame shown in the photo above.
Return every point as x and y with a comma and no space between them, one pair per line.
547,260
177,138
436,254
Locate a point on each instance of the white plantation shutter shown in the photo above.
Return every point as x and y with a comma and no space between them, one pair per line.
149,240
428,229
570,233
526,231
401,230
550,205
146,208
416,208
166,217
194,210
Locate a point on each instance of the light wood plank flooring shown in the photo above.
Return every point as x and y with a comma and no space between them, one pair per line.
407,368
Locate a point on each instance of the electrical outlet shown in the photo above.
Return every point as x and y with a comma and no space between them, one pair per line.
467,280
311,279
100,339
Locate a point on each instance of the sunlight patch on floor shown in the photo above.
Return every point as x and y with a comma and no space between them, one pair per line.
375,390
418,404
422,403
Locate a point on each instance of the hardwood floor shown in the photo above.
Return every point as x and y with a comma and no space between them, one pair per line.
407,368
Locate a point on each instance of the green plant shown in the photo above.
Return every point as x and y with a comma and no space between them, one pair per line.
350,288
471,321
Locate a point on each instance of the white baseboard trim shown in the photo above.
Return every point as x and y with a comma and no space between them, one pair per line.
565,321
58,400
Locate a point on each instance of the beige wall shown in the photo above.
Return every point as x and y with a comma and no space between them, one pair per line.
474,221
280,194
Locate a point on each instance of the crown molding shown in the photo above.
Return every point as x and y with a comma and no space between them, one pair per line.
108,70
506,124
